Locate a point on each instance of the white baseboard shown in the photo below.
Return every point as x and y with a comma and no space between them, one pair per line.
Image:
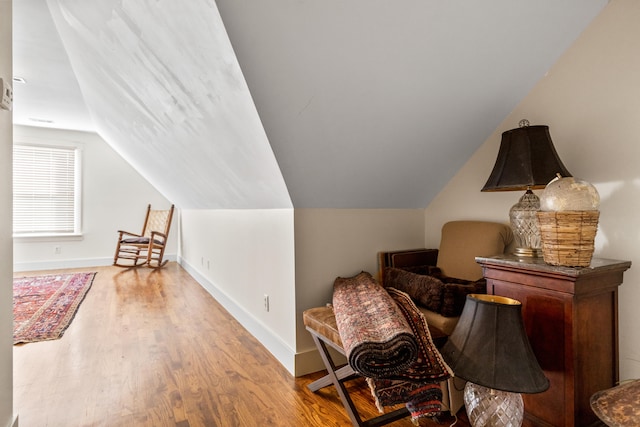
307,362
69,263
310,361
55,265
285,354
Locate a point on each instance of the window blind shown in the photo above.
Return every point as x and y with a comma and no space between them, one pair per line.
45,190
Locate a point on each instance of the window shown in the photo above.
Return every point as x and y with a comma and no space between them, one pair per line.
46,190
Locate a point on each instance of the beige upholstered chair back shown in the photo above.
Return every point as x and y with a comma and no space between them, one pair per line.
462,241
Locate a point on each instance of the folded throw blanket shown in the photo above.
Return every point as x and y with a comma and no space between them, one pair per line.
378,341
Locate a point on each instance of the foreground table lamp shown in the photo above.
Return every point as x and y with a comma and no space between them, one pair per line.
527,160
490,349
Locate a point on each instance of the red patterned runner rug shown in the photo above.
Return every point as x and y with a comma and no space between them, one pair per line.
44,306
377,340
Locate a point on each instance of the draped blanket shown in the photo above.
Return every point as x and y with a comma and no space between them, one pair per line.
377,340
387,340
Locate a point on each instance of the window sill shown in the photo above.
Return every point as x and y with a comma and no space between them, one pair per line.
35,238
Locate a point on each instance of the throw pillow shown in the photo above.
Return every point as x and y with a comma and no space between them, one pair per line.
426,291
455,294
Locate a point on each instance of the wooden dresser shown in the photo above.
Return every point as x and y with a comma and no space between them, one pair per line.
571,318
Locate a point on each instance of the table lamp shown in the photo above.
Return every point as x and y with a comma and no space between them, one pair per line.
490,349
527,160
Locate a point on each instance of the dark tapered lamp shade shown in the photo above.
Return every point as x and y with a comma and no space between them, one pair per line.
489,347
527,159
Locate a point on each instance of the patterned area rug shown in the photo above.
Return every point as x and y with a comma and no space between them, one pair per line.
386,339
377,340
419,385
44,306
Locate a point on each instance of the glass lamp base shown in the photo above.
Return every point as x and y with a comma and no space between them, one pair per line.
524,224
528,252
489,407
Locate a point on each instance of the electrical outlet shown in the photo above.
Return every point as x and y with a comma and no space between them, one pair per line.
6,96
266,302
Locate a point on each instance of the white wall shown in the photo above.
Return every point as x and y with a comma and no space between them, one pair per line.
6,288
342,242
591,101
240,256
114,197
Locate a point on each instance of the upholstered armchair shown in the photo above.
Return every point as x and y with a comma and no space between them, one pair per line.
439,279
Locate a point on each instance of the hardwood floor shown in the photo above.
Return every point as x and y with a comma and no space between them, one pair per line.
152,348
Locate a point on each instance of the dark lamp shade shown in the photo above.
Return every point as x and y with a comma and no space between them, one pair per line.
526,159
489,347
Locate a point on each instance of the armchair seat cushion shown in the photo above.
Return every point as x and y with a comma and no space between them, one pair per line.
437,321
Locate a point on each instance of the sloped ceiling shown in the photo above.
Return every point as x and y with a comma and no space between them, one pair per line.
310,104
377,103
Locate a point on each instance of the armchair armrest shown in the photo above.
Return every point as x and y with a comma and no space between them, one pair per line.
406,258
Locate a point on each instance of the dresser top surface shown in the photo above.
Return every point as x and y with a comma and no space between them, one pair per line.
538,264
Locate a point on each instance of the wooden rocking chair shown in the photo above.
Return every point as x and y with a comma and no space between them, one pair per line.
146,248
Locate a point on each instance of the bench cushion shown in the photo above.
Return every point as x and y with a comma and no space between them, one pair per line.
323,321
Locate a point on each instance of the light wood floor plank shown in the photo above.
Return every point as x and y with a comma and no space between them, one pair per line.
153,348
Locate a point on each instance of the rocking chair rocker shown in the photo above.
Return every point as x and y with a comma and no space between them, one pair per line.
146,248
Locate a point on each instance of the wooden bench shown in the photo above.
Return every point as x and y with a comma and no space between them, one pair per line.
321,323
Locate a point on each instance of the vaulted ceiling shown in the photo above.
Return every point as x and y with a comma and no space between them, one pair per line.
288,103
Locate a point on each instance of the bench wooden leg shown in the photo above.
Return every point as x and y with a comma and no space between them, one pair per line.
337,376
344,374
